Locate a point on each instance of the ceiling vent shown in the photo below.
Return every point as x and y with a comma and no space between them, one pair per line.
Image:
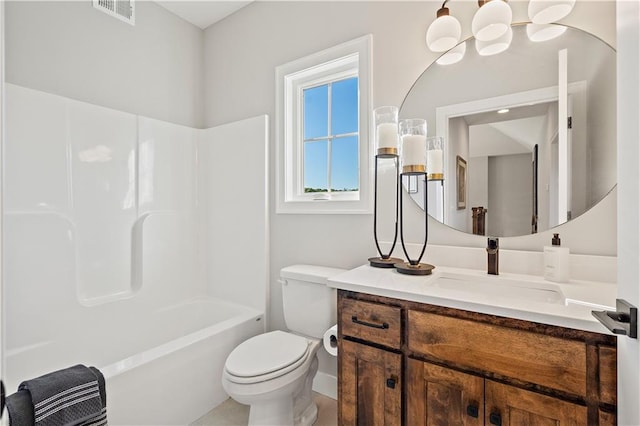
121,9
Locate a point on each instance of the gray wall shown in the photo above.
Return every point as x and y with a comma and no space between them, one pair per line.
71,49
510,195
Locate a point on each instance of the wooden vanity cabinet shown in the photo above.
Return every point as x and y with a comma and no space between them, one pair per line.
370,374
402,362
438,395
371,386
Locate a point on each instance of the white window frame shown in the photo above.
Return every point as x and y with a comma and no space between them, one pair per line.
346,60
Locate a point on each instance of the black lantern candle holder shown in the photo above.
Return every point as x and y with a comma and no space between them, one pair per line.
413,266
385,260
414,163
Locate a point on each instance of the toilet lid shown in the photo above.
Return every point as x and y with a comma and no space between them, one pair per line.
266,353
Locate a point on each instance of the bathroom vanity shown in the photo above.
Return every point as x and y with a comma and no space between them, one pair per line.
432,350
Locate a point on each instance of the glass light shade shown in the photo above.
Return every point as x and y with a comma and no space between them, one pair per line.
386,122
547,11
443,33
488,48
452,56
413,148
491,21
544,32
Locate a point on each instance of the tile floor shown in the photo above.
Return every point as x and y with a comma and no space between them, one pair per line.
231,413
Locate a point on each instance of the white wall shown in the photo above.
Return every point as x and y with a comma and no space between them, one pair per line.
235,206
550,133
628,126
71,49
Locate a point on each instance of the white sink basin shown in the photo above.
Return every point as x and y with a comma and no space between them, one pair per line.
499,287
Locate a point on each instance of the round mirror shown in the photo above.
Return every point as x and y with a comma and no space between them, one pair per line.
529,132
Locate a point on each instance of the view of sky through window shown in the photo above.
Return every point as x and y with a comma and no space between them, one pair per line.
331,136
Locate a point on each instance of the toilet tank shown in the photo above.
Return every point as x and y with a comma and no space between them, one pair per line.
309,305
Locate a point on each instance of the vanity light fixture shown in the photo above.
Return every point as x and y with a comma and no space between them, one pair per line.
547,11
454,55
491,27
492,20
544,32
443,33
493,47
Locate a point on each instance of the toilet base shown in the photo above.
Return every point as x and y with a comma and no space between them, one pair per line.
280,413
309,416
298,409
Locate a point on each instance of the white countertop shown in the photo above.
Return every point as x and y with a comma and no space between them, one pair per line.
507,295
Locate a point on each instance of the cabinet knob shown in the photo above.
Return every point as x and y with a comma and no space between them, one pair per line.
495,419
391,382
472,410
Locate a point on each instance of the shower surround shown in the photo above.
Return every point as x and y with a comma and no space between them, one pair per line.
118,232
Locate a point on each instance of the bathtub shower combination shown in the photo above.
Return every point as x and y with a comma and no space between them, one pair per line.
120,242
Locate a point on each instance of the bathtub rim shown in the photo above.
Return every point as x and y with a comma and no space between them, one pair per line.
122,366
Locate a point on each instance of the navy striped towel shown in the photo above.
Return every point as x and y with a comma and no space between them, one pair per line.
67,397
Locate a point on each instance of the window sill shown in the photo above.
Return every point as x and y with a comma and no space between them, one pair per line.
324,206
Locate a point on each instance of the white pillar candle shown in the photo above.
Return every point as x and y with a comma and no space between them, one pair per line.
387,135
414,150
434,161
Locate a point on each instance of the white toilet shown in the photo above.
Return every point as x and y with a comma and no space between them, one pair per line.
273,372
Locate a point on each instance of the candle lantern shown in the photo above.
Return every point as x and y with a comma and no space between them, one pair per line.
386,124
386,119
413,162
435,158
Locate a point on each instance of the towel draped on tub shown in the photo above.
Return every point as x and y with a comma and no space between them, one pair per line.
68,397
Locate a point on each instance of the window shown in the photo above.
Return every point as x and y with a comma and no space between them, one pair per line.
330,137
322,115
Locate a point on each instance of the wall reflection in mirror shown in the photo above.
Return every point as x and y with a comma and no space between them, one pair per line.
535,126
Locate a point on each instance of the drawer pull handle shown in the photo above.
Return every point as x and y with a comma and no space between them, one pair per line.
472,410
382,326
495,419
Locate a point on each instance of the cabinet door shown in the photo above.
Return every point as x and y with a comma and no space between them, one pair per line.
507,405
442,396
370,386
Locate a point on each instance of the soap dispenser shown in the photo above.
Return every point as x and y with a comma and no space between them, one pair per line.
556,261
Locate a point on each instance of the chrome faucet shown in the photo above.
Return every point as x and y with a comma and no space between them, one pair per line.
492,255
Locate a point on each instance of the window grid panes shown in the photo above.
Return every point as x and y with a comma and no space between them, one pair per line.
331,142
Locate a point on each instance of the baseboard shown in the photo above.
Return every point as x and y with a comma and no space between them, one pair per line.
326,384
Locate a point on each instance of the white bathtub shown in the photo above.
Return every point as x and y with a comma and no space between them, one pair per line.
161,367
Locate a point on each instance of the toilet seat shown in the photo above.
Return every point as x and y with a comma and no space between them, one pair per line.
265,357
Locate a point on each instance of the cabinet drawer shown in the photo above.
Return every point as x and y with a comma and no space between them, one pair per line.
535,358
372,322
